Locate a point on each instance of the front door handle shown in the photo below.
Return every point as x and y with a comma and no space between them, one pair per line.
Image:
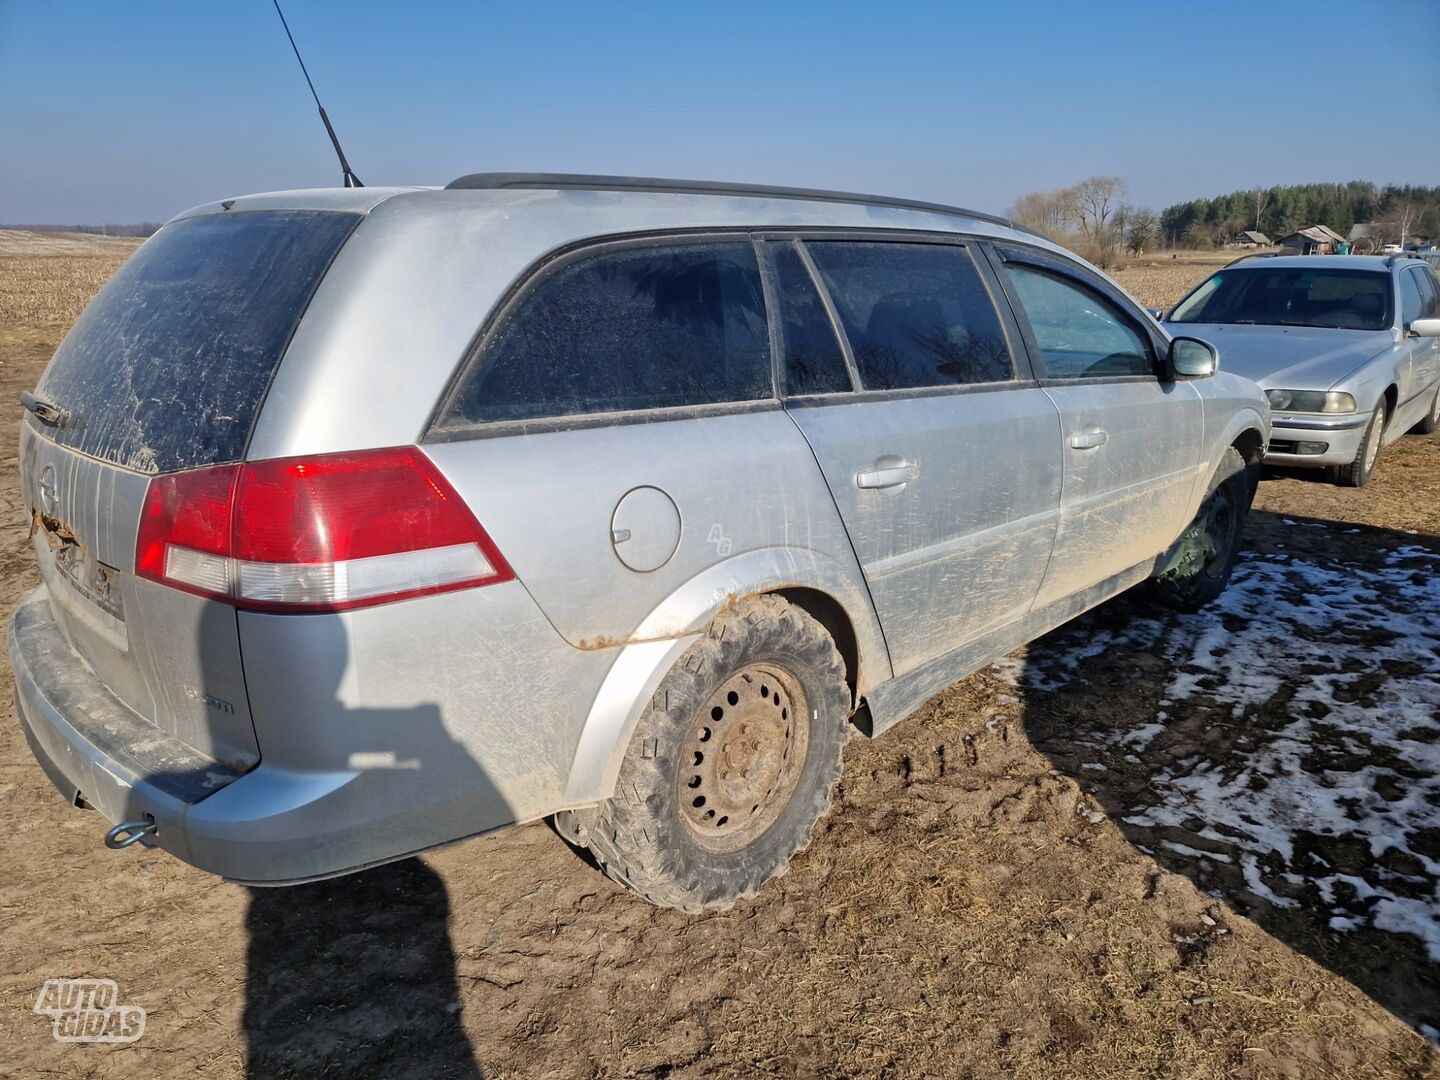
888,472
1088,440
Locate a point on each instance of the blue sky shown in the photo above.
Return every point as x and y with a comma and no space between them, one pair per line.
130,110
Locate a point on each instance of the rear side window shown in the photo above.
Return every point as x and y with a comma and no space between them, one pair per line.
813,360
1079,334
1412,300
645,327
1430,289
915,315
167,367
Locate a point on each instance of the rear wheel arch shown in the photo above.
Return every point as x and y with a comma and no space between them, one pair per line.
830,613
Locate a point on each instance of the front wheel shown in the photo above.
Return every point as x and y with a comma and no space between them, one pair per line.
1362,468
731,765
1205,554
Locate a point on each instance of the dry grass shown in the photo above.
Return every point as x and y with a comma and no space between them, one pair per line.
1161,280
48,278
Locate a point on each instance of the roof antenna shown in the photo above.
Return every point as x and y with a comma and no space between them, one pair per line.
351,180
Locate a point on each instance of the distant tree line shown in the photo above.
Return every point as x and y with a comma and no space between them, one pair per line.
1397,212
147,228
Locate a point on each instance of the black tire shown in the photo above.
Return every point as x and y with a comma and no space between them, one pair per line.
673,847
1358,473
1207,549
1431,423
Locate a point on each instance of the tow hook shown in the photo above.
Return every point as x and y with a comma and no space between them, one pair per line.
130,832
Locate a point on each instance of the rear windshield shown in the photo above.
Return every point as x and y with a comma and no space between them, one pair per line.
1291,296
166,368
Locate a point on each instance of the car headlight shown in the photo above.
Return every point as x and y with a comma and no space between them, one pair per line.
1312,401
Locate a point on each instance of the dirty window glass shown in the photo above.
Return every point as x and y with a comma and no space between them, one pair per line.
1430,288
915,314
814,362
634,328
1080,336
1412,301
168,365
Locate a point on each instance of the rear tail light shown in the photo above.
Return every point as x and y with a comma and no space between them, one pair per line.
315,534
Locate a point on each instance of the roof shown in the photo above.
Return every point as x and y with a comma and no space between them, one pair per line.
719,196
1315,262
1318,233
587,182
1361,231
1250,236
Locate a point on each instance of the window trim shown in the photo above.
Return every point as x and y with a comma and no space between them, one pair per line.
1019,359
1048,263
767,246
534,276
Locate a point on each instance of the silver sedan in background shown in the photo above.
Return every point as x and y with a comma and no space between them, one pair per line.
1346,347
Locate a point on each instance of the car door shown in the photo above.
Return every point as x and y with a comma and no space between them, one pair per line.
1131,443
941,454
1419,299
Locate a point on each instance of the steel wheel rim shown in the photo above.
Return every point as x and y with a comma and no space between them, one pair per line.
743,756
1372,441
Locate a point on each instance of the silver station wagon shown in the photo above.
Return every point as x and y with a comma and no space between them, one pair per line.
374,519
1346,347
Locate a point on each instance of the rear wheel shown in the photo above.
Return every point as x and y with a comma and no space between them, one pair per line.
1362,468
730,767
1205,554
1431,423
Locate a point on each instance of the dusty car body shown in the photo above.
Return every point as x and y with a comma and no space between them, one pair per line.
346,554
1346,347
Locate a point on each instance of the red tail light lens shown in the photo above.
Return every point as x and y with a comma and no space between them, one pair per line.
315,534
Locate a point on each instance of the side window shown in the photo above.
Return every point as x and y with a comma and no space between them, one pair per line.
915,314
813,360
1080,334
1430,286
1412,301
644,327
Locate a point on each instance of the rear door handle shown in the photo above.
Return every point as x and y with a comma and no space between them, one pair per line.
888,475
1088,440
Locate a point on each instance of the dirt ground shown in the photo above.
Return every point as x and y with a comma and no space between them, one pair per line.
1150,845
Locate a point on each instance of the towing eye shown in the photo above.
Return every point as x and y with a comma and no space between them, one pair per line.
130,832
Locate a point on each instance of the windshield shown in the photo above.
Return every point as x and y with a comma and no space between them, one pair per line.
1291,296
168,365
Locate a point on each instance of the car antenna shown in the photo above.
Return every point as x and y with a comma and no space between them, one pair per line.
351,180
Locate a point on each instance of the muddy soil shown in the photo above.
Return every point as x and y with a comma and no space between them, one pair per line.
1151,845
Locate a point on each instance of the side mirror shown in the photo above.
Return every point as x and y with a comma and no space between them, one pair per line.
1191,358
1425,328
1158,312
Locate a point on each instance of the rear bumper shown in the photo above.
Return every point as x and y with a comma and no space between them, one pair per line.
278,823
1341,438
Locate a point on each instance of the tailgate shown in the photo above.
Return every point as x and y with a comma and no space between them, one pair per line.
172,657
165,371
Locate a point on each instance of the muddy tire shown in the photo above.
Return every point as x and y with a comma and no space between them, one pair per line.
731,765
1211,543
1359,471
1431,423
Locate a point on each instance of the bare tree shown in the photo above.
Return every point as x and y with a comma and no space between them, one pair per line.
1094,202
1395,227
1142,226
1261,198
1047,212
